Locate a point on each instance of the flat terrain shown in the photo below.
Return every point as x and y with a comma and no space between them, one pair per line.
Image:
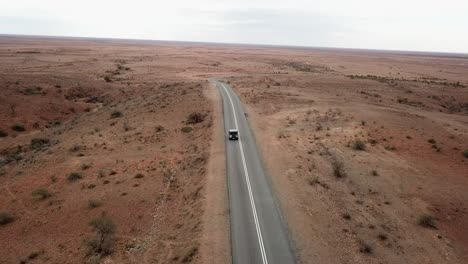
364,149
108,129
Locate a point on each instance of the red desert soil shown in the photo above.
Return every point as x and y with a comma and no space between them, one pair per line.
118,113
367,152
120,117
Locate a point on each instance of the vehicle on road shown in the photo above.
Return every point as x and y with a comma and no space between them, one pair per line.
233,134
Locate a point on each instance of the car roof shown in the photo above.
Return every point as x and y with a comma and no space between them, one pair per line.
233,130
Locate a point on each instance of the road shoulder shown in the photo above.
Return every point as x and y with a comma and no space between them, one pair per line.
215,242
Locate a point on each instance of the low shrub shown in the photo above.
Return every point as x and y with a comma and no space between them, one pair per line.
390,148
41,193
359,145
347,216
195,118
338,169
74,176
18,127
365,248
187,129
75,148
39,143
427,221
93,204
116,114
85,166
5,218
465,153
3,133
103,242
382,236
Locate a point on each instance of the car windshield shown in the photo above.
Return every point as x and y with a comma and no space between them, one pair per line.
233,132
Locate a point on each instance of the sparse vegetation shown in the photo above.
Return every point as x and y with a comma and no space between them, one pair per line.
187,129
116,114
41,193
190,255
159,128
365,248
432,141
195,118
139,176
85,166
374,173
75,148
39,143
18,127
346,216
34,255
74,176
359,145
93,204
107,79
465,153
427,221
338,169
382,237
103,242
390,148
5,218
53,179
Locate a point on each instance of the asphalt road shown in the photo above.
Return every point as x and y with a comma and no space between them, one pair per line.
258,233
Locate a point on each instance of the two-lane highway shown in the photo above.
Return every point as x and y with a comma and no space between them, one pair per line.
258,233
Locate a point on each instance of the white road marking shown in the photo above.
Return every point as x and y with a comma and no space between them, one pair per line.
247,179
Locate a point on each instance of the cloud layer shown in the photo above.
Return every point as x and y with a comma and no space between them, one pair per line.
398,25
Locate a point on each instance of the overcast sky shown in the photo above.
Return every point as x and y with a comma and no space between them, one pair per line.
424,25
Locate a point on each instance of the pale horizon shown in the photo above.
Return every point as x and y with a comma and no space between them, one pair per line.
424,26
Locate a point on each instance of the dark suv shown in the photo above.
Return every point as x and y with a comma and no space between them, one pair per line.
233,134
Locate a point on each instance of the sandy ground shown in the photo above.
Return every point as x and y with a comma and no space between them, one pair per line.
346,205
140,159
112,110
